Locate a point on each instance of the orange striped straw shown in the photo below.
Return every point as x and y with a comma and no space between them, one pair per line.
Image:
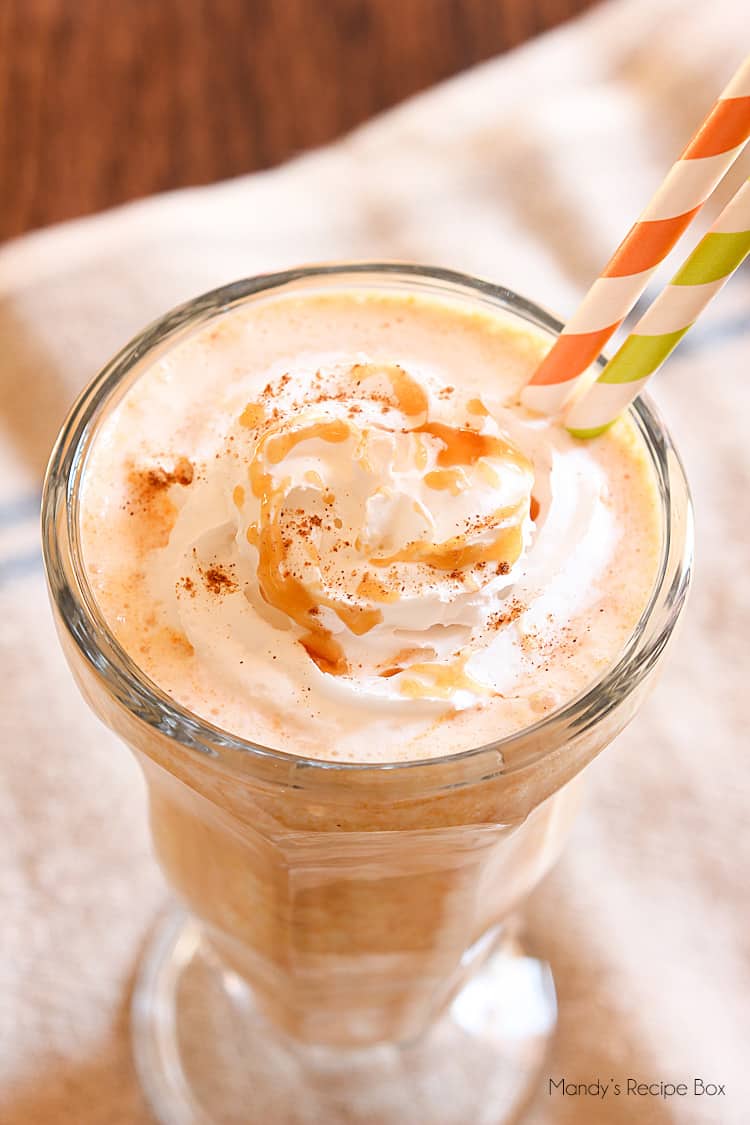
712,150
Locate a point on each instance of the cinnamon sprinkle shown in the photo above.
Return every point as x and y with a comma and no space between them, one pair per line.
514,610
159,477
217,581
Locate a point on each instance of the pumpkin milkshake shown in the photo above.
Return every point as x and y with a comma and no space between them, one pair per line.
319,526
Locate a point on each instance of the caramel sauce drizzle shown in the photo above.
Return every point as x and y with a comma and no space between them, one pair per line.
465,447
441,680
476,406
325,651
252,415
405,657
447,480
456,554
408,396
411,399
374,591
278,446
277,586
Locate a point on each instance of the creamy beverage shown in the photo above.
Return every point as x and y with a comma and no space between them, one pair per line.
305,545
325,523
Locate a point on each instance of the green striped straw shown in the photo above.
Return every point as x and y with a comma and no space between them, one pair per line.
660,329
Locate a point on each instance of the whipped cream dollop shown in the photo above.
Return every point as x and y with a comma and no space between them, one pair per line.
382,526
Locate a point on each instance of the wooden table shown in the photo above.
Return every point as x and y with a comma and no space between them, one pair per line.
102,101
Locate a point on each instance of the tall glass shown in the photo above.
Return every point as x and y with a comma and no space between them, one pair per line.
345,949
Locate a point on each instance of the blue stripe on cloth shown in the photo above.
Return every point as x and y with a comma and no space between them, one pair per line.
20,566
19,509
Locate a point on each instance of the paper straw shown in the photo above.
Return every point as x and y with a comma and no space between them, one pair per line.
719,253
712,150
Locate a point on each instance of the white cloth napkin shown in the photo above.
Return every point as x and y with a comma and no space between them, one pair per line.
526,171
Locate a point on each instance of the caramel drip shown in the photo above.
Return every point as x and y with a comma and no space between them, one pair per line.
374,591
239,496
275,447
447,480
441,680
325,651
286,593
465,447
533,508
405,657
476,406
252,415
408,396
277,586
357,618
278,446
456,554
415,652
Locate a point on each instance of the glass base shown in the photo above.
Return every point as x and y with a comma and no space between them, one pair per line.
206,1056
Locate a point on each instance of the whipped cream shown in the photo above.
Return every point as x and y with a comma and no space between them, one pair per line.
383,523
377,521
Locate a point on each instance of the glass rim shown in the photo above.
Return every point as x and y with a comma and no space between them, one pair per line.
76,604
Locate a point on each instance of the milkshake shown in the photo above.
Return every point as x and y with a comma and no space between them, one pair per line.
363,618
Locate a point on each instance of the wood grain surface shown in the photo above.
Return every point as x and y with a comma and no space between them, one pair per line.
102,101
